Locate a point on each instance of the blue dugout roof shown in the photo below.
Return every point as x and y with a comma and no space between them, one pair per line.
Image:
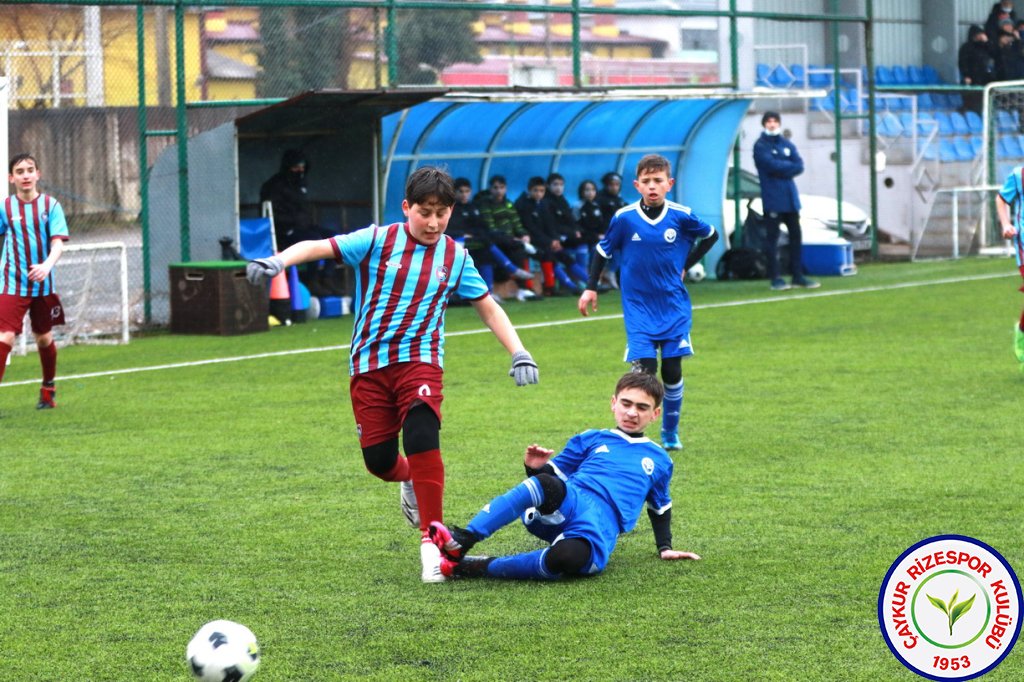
580,139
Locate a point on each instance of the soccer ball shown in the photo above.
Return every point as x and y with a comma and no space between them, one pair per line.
696,273
223,651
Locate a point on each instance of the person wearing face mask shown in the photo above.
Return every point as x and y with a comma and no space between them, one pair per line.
778,162
293,220
1001,11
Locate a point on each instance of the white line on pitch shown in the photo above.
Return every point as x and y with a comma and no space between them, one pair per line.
534,325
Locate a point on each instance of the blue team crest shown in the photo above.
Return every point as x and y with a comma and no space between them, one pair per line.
648,465
441,273
670,235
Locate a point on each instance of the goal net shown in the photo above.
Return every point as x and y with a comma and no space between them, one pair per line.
92,282
1003,117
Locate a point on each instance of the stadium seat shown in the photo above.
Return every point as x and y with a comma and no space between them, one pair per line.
947,151
927,151
964,151
763,70
959,123
851,100
887,125
1020,143
255,238
974,122
954,100
925,102
1006,121
977,144
945,124
780,77
907,123
916,75
817,78
1009,147
883,75
931,76
926,123
900,75
799,75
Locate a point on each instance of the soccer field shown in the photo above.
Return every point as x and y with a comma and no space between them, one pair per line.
825,433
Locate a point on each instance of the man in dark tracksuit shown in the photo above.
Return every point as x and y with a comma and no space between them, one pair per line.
778,162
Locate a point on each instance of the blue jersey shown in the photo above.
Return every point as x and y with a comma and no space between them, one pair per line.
27,228
401,294
652,255
623,472
1013,193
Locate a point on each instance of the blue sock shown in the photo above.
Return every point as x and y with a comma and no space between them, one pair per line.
563,277
578,272
528,566
487,272
671,406
501,259
504,509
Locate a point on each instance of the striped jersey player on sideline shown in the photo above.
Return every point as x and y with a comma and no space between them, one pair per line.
406,273
658,241
1012,195
33,229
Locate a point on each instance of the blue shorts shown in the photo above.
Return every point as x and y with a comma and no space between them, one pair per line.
581,515
640,346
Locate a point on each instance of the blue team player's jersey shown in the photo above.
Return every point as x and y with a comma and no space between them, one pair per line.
652,255
622,471
1013,193
401,294
26,229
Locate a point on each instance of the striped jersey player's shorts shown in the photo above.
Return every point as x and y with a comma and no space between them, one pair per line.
381,399
44,313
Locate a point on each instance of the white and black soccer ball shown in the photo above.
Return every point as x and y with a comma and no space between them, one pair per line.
223,651
696,273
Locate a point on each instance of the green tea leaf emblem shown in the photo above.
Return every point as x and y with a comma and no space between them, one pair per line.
953,611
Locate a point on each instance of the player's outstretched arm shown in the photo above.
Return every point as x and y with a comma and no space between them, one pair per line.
524,369
676,554
261,269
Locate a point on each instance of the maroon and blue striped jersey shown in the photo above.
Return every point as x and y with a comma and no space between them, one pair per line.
27,228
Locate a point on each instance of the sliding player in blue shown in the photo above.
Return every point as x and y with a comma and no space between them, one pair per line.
657,242
579,501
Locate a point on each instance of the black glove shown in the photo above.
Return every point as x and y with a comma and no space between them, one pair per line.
524,369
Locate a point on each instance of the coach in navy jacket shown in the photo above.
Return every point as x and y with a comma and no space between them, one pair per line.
778,162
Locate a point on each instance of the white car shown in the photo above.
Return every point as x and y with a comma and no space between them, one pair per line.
818,215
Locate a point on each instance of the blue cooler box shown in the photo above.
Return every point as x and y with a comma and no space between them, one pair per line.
829,258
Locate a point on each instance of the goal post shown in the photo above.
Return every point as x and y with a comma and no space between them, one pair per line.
92,282
1003,145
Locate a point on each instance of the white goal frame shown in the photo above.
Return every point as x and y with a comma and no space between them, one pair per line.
123,334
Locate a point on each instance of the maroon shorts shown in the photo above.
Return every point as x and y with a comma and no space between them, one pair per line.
1022,275
382,398
44,312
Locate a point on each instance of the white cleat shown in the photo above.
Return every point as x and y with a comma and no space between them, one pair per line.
407,501
430,555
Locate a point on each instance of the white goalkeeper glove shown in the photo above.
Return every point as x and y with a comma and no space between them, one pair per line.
263,269
524,369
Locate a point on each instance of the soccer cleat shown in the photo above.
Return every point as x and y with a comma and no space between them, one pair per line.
522,274
454,543
670,441
779,284
431,558
527,295
806,283
47,398
469,567
407,501
1018,342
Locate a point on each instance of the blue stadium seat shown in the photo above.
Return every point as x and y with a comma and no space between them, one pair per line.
945,125
1007,121
883,75
1009,147
799,75
931,76
925,102
255,238
974,122
963,149
926,123
954,100
899,103
947,151
816,78
851,100
763,70
977,144
907,122
1020,142
927,151
900,76
780,77
887,125
959,123
916,75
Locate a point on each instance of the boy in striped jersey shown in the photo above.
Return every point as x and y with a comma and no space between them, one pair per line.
34,229
406,273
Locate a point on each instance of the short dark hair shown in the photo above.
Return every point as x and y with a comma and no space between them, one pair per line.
579,190
463,182
18,159
648,383
429,182
535,181
497,180
769,115
609,176
652,163
555,176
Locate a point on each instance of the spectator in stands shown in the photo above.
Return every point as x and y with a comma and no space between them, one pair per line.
588,217
468,224
1001,11
554,259
610,200
507,231
778,162
287,192
565,222
1009,59
977,66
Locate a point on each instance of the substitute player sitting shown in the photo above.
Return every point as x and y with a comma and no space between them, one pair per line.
33,230
406,273
658,241
579,501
